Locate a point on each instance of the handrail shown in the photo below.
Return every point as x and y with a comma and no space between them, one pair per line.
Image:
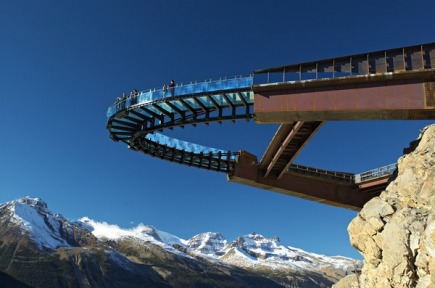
375,173
407,59
146,96
343,176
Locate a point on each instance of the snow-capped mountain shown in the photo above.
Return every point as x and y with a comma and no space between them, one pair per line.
210,244
53,234
33,216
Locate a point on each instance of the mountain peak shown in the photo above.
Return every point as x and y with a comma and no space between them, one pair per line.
32,202
259,237
209,243
34,218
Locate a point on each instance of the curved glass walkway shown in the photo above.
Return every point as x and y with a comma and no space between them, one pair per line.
196,88
136,120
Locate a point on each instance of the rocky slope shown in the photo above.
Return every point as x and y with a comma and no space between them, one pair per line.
395,232
41,249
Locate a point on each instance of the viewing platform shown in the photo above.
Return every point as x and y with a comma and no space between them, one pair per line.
390,84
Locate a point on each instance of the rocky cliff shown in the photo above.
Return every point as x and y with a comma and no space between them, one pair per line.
395,232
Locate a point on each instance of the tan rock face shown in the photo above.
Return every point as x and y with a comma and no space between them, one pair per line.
395,232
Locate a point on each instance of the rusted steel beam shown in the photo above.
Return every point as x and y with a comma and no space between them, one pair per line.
405,99
286,144
280,134
335,193
312,128
283,146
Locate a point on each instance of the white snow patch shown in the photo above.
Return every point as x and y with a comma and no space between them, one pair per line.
170,239
35,223
141,231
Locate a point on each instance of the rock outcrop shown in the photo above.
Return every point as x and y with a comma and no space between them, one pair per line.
395,232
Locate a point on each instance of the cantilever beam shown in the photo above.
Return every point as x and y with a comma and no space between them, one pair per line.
336,193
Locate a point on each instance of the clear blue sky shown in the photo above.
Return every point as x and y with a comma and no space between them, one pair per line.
62,63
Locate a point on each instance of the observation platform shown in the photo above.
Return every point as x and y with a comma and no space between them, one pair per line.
390,84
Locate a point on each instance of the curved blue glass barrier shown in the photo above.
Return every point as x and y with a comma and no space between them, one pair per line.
181,90
186,146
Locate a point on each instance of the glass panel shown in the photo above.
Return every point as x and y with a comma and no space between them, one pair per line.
249,96
377,63
145,97
154,109
186,146
325,70
413,58
309,71
360,65
428,57
342,67
192,103
166,107
235,98
260,78
219,100
206,101
395,60
179,105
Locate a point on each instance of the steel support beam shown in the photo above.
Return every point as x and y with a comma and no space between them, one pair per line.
287,143
335,193
403,96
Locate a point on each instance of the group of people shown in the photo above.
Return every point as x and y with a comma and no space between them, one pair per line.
120,101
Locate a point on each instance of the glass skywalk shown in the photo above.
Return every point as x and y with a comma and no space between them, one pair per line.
207,87
136,120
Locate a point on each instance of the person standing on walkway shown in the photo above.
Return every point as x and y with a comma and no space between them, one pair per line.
165,88
172,87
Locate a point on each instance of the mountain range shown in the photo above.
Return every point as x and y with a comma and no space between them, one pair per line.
39,248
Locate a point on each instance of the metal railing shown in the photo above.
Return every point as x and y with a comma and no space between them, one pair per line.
343,176
375,173
412,58
340,176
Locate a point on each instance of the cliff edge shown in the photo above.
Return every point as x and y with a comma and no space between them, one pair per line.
395,232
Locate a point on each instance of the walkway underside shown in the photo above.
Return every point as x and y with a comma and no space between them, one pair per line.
327,188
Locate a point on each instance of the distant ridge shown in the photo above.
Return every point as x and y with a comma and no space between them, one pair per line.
43,249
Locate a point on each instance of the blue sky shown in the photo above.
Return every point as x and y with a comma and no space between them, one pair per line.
63,63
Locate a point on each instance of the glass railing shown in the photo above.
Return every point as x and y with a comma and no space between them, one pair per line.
181,90
187,146
406,59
